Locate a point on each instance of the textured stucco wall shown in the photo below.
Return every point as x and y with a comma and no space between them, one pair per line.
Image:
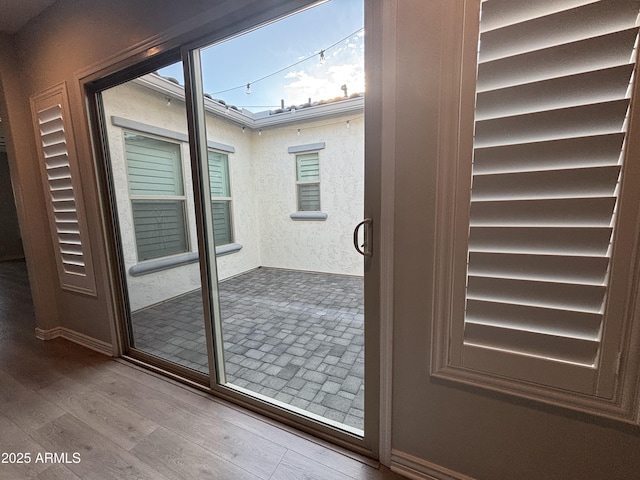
322,246
263,189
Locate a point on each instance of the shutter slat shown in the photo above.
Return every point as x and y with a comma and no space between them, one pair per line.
586,21
53,138
503,13
556,154
50,115
55,124
596,53
565,296
598,119
542,241
579,351
567,323
570,91
568,183
578,212
554,268
55,150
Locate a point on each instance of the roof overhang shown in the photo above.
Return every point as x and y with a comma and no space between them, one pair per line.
260,120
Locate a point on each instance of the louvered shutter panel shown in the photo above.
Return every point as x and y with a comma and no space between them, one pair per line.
220,189
54,139
552,98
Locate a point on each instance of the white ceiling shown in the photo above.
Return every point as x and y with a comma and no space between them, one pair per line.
15,13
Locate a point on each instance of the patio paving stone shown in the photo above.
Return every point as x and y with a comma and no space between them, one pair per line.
293,336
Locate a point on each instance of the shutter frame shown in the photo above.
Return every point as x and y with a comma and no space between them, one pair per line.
457,100
55,143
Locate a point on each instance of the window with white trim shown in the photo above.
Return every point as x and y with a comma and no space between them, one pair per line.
308,182
157,195
545,244
220,197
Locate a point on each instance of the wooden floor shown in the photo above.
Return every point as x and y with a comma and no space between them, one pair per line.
108,420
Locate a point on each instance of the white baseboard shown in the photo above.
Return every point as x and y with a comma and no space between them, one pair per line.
419,469
76,337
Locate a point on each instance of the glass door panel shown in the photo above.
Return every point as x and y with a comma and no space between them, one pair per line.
145,127
283,116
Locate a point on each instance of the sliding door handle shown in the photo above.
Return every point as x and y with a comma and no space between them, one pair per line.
366,248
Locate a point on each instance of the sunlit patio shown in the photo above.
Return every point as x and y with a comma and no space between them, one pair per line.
293,336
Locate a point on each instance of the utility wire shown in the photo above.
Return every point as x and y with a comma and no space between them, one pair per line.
321,52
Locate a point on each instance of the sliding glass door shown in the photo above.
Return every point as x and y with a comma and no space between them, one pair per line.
237,177
146,128
284,165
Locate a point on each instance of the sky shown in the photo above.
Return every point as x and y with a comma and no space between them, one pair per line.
251,56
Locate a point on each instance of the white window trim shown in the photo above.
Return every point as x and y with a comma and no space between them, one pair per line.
305,213
299,215
453,198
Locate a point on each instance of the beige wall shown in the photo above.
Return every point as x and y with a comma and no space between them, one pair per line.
485,435
25,176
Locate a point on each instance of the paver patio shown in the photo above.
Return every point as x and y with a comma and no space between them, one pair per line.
293,336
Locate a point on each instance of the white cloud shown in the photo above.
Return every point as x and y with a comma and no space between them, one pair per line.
324,84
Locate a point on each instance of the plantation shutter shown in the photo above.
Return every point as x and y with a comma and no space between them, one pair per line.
220,197
157,190
552,97
54,140
308,176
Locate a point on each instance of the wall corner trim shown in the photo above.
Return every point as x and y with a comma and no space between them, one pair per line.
420,469
76,337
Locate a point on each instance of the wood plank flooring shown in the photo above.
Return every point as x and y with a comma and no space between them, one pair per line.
126,423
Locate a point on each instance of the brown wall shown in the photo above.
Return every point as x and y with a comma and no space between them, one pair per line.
487,436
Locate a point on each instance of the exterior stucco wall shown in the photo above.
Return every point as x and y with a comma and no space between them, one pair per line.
263,189
322,246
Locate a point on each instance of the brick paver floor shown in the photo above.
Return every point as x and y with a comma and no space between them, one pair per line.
292,336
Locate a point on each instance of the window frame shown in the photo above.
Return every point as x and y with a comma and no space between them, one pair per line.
308,182
455,152
151,198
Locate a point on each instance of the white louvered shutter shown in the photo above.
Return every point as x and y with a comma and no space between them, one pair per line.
61,184
552,99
